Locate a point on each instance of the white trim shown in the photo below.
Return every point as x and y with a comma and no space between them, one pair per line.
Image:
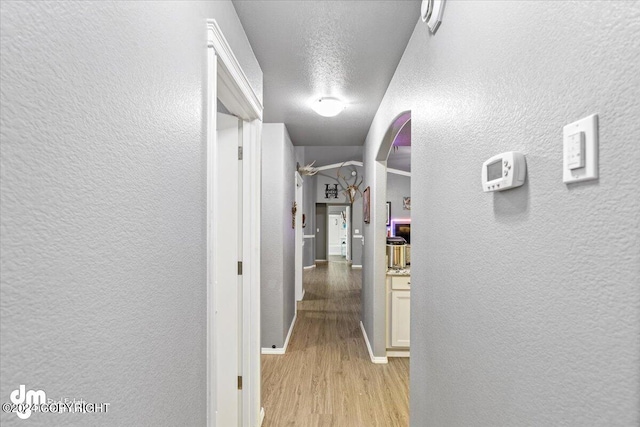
309,236
227,81
337,165
398,353
374,359
277,350
356,266
357,236
293,324
235,92
283,349
322,260
212,113
348,251
261,416
298,236
307,267
251,274
398,172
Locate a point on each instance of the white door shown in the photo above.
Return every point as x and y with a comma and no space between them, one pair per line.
335,232
348,233
227,281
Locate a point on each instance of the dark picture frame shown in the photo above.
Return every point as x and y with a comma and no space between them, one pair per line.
366,204
388,213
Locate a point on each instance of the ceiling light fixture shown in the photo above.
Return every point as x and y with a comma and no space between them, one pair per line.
328,107
431,13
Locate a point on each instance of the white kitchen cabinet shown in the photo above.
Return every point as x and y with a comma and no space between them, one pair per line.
400,318
398,314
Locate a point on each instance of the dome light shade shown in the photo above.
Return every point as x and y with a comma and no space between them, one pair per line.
328,107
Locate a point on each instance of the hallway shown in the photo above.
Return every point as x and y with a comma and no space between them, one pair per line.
326,377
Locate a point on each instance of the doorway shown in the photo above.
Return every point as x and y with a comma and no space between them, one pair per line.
398,280
333,229
337,233
321,233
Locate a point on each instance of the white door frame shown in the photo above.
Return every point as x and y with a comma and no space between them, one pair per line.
299,238
349,233
226,81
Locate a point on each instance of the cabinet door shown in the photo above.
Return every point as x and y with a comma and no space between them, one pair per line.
400,318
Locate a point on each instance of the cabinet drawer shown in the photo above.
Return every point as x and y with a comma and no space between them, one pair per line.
401,282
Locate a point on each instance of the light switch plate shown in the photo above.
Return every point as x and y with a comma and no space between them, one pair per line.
589,128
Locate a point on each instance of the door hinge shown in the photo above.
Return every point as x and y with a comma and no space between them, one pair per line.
239,268
239,383
239,153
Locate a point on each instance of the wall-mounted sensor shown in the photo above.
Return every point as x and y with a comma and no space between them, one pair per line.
504,171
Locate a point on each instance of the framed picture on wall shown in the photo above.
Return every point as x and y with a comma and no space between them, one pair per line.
366,203
388,213
406,203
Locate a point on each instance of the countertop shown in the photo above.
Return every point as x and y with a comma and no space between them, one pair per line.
399,272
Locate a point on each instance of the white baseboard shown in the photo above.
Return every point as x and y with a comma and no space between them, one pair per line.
321,260
283,349
356,266
398,353
277,350
309,266
261,415
374,359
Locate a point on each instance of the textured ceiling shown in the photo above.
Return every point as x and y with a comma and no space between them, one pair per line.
309,49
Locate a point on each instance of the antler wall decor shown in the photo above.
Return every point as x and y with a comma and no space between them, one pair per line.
351,190
308,170
294,210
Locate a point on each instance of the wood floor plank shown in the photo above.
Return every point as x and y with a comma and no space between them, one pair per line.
326,377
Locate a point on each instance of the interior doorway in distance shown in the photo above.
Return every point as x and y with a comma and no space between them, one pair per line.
336,219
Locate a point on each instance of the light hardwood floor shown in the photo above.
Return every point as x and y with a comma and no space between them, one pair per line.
326,378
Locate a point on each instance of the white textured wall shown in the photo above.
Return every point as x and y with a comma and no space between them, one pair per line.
272,230
525,304
103,205
288,188
357,224
277,252
329,176
398,187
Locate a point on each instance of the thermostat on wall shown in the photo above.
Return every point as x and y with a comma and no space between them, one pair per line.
504,171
